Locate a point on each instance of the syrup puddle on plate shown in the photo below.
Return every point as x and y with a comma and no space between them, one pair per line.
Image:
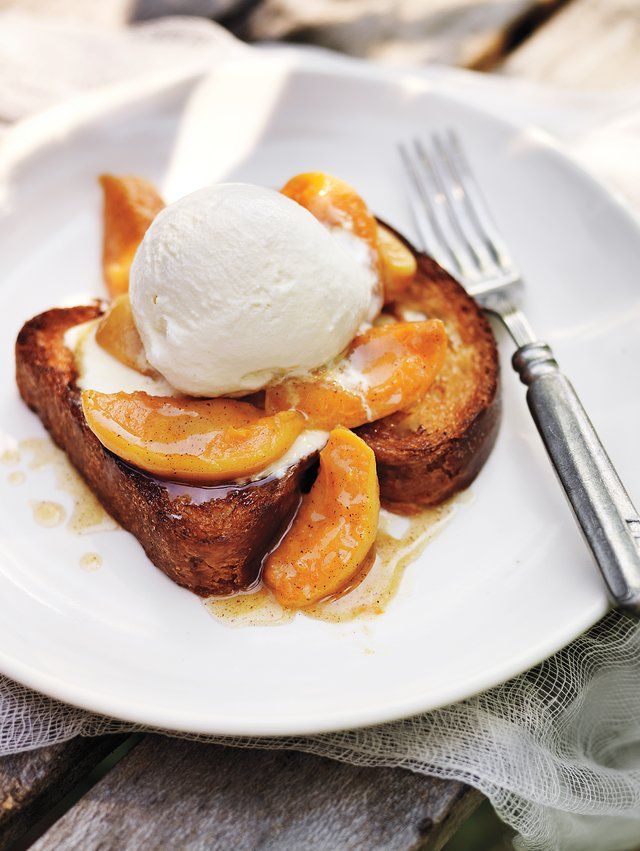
48,514
400,540
91,562
10,456
87,515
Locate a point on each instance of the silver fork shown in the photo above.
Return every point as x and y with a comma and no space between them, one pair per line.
459,231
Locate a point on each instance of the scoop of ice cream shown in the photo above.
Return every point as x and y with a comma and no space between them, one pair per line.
236,286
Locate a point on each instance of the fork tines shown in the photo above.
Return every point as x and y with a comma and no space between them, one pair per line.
452,217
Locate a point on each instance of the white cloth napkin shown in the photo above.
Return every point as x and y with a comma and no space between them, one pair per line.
557,750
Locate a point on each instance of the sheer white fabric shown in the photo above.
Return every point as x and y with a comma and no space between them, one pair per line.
557,750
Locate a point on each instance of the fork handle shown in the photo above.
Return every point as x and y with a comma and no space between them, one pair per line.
603,509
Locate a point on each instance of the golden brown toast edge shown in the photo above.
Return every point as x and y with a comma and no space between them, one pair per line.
215,547
431,452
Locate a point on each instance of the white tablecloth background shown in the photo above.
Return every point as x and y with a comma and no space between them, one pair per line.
557,750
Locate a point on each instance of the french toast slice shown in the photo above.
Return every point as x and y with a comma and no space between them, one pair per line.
214,541
215,546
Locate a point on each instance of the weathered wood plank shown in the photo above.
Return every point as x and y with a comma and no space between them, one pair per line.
169,793
589,44
452,32
32,782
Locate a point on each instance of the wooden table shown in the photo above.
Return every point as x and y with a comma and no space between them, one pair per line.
168,793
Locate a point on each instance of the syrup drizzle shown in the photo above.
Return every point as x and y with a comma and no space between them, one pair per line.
48,514
91,562
10,456
399,542
199,494
87,514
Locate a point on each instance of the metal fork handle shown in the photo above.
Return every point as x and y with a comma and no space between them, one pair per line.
603,509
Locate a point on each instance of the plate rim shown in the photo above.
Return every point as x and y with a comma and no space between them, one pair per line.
36,133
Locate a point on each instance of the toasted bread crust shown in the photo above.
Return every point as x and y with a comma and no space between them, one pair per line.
431,452
215,547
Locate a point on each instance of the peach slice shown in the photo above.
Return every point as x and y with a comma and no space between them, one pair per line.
204,441
397,263
386,369
335,203
118,335
334,529
130,205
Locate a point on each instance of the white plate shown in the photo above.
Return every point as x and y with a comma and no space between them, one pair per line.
506,583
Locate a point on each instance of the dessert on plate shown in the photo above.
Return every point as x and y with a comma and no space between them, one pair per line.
270,367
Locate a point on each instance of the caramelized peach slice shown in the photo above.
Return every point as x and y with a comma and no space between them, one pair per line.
334,203
334,529
387,369
203,441
130,205
118,335
398,264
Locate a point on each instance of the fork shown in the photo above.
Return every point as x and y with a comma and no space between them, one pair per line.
458,230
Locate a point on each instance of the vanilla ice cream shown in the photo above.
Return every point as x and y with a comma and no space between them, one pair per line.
236,286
